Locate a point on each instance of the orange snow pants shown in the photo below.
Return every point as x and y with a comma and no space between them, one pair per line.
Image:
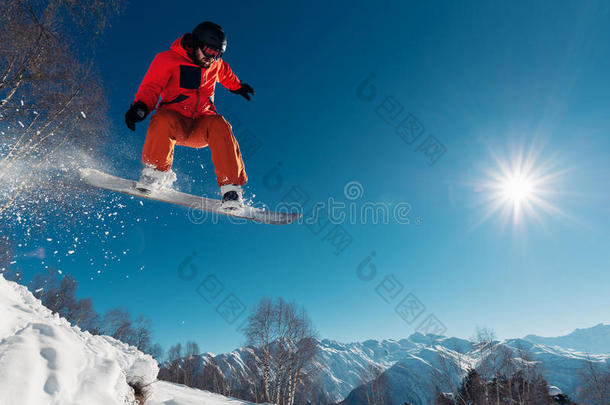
169,128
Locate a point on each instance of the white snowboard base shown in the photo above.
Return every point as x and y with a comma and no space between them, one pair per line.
106,181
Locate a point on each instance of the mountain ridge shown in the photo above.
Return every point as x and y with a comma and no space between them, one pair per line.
593,340
410,362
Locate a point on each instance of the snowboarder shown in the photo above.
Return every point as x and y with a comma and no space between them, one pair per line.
184,77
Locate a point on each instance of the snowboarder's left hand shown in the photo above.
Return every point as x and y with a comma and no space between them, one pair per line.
136,113
245,90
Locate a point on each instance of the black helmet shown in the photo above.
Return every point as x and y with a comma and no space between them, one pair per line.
210,34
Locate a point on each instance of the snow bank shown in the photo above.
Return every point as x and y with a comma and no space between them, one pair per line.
164,393
45,360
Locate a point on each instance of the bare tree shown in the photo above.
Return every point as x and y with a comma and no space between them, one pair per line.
484,342
59,295
156,351
51,98
174,368
142,334
212,378
259,335
82,313
595,383
117,323
287,341
190,363
302,347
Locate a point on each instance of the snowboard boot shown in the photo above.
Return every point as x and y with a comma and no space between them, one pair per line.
232,197
152,179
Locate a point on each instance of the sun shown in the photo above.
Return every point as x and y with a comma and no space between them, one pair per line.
519,187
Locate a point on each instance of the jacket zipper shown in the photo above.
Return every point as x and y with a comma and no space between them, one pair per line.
196,106
205,75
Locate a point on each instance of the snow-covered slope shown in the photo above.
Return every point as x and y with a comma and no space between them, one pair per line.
44,360
164,393
589,340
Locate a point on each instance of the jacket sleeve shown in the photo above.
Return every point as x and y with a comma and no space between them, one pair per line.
227,78
154,82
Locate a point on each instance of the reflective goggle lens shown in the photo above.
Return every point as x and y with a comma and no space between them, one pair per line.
210,52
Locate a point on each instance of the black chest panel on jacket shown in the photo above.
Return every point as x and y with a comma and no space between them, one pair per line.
190,77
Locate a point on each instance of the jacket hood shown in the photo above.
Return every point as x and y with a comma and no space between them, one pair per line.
179,46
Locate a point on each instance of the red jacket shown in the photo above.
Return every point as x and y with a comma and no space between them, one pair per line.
182,85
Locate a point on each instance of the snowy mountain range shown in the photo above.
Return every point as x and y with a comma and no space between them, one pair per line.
444,361
410,367
46,361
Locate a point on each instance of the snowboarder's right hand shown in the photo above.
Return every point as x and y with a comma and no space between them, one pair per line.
136,113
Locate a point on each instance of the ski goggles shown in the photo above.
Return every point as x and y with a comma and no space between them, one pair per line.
210,52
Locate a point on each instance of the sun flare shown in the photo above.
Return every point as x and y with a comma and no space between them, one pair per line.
519,187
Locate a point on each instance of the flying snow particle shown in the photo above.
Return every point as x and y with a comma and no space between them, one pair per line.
21,123
83,114
70,252
59,271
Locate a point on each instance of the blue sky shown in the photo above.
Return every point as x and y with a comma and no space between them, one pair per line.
484,78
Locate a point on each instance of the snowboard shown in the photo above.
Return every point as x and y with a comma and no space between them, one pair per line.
107,181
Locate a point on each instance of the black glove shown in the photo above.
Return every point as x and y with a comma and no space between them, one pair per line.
136,113
244,90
